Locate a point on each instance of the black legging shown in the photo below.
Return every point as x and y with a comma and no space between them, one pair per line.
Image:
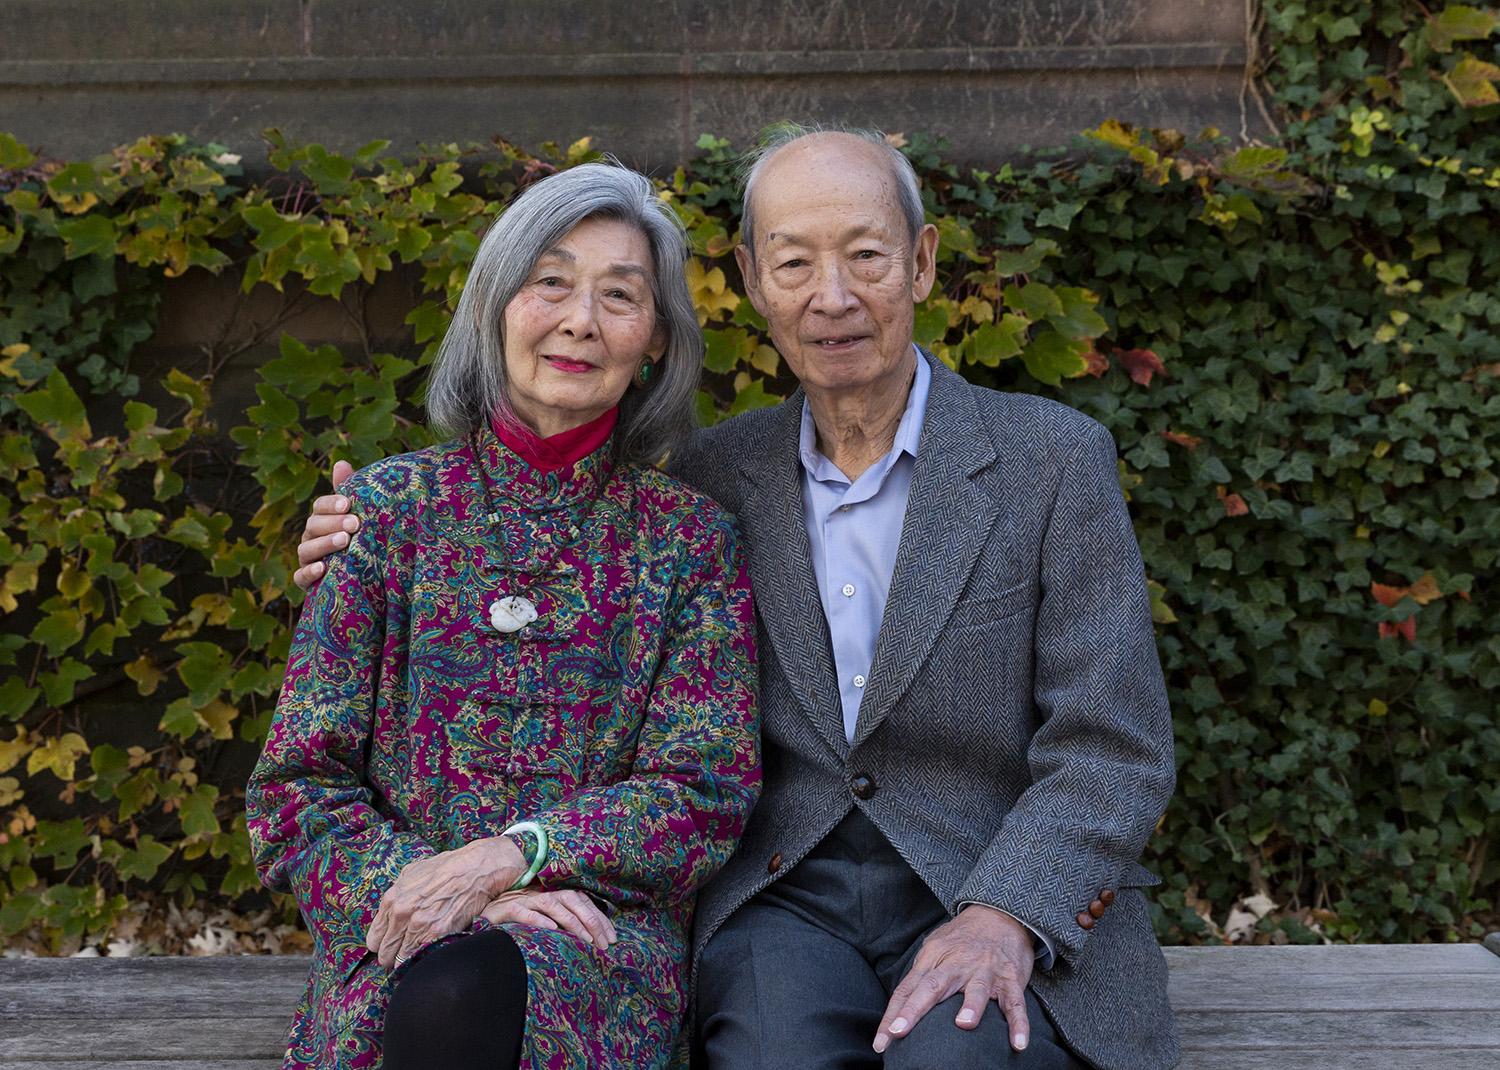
461,1006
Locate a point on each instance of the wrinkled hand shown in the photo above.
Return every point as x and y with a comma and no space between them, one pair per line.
440,895
328,530
983,953
571,911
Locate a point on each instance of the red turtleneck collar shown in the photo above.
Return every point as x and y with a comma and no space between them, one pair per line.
558,451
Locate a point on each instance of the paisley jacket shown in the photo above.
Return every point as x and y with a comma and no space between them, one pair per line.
623,720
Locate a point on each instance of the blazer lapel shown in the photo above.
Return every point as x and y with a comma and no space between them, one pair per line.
781,573
948,520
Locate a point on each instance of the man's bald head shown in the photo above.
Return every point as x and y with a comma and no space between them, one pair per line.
858,148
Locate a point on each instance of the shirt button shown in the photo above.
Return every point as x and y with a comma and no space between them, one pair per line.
859,681
845,508
848,590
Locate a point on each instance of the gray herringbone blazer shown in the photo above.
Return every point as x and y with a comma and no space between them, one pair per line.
1015,725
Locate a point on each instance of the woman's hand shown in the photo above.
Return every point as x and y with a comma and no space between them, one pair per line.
440,895
568,910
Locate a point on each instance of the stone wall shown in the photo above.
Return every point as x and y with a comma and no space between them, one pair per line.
645,77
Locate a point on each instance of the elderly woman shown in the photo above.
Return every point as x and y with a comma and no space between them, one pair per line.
518,725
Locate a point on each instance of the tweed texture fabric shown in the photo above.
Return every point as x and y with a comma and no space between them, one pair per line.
623,721
1014,741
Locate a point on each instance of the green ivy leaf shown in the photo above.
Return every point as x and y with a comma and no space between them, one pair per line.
57,407
1035,300
1077,318
1458,22
1050,357
90,235
143,862
990,343
13,154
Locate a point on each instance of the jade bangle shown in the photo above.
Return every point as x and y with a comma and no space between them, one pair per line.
539,860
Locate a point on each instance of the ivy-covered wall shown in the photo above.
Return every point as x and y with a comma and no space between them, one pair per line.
1294,344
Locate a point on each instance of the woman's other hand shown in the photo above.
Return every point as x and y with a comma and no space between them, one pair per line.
328,530
440,895
571,911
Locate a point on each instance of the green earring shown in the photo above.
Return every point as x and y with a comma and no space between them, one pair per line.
645,373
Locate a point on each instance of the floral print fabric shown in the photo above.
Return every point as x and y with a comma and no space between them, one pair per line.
623,719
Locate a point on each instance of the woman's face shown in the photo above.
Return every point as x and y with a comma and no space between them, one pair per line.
577,330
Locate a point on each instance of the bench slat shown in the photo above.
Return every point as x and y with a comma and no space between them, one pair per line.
1257,1008
1350,1030
1336,1059
151,1038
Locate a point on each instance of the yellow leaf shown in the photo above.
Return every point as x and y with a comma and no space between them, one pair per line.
1377,708
10,790
145,674
12,751
765,360
8,357
59,755
76,205
1425,590
72,582
711,295
218,715
1473,82
214,607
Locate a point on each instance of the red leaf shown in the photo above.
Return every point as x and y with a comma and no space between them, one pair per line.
1387,596
1234,505
1097,363
1407,628
1141,364
1192,442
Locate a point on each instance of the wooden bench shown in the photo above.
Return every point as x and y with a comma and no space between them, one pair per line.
1373,1007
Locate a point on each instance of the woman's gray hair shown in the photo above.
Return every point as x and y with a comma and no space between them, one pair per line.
468,381
775,138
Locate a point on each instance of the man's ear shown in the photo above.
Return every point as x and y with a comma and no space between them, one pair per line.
924,262
746,262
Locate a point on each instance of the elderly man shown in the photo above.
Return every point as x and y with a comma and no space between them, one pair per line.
966,734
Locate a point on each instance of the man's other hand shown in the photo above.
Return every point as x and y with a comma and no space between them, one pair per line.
328,530
983,953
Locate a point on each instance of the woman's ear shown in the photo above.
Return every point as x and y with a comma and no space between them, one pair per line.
657,347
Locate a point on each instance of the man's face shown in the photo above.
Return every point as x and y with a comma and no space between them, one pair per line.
835,271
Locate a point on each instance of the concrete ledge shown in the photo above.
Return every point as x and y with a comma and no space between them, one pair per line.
58,74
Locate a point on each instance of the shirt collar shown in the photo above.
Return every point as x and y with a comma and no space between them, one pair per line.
908,431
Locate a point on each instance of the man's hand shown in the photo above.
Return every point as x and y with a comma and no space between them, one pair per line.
440,895
983,953
571,911
328,530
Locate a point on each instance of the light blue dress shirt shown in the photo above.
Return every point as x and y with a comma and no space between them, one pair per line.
855,530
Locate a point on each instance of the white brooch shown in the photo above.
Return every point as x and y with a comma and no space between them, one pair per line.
512,613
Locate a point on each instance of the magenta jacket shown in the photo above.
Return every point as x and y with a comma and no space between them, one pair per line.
623,719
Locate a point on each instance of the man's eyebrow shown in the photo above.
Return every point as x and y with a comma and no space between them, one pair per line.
857,230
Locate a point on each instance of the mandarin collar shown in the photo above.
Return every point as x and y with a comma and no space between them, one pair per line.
510,476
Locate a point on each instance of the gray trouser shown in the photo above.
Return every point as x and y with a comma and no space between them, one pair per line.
800,975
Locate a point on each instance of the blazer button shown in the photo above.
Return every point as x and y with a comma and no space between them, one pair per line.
862,786
1107,897
775,863
1085,921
